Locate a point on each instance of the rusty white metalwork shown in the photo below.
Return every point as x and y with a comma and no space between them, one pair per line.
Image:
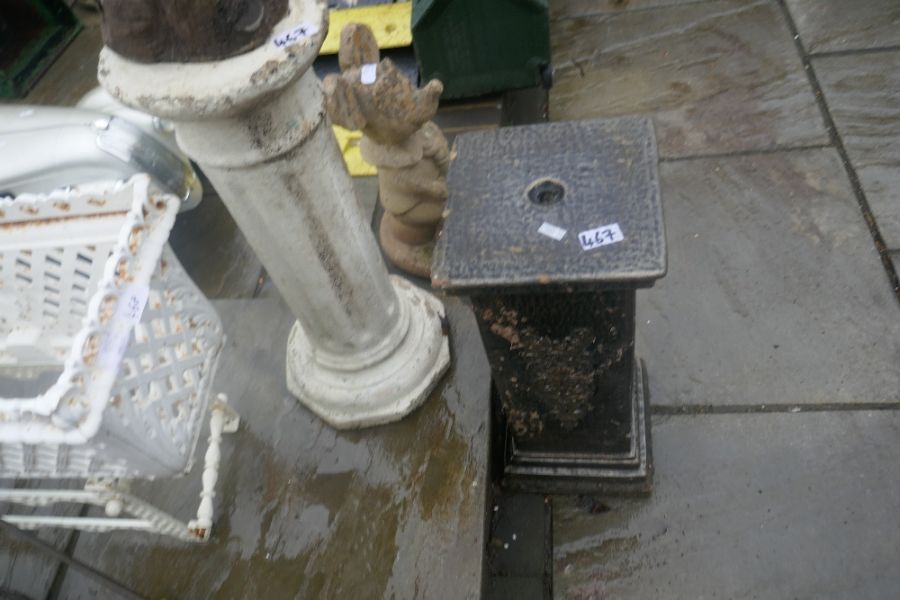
223,419
107,348
366,348
114,496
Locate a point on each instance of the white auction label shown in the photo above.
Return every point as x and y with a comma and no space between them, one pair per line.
552,231
367,73
132,302
292,36
600,236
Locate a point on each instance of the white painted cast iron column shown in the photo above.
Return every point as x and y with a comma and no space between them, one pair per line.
366,348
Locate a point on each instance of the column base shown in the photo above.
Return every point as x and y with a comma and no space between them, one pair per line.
628,472
382,392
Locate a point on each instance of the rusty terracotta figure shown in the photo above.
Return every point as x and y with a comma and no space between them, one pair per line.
409,150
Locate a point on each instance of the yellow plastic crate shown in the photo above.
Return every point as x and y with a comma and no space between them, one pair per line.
389,22
348,142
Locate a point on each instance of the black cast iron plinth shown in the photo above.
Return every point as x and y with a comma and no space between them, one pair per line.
623,472
568,395
550,229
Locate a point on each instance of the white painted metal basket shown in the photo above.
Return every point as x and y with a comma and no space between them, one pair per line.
80,396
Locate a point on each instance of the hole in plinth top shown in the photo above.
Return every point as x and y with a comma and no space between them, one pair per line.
545,191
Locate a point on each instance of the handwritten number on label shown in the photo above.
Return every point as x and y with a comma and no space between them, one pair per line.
133,309
128,312
131,303
600,236
295,35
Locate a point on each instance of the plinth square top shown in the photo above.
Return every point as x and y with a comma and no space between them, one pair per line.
573,203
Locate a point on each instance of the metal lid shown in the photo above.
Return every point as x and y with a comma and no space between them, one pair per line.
573,203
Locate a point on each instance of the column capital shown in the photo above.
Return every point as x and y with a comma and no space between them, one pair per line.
224,88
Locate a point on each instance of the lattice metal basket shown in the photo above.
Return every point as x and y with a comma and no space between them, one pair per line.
80,396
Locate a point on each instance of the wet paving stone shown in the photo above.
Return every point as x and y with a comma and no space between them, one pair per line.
25,570
841,25
718,76
775,293
519,551
563,9
862,93
304,511
745,506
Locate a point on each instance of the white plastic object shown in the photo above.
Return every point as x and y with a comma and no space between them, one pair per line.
76,267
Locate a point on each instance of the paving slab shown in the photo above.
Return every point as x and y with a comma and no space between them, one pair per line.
564,9
718,77
307,512
745,506
862,94
519,551
26,571
838,25
774,294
